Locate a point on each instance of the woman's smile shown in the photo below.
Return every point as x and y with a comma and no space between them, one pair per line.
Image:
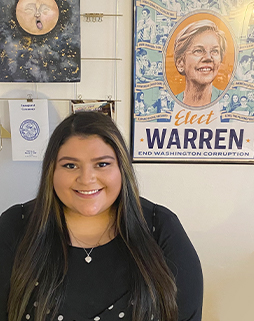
205,69
89,192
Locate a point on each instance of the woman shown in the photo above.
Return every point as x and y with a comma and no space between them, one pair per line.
88,248
225,103
234,102
198,52
140,105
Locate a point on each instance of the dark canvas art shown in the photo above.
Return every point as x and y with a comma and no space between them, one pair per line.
40,41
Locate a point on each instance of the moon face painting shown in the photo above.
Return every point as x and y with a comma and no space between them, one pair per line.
40,41
37,17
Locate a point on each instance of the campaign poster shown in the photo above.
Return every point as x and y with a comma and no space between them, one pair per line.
40,41
193,81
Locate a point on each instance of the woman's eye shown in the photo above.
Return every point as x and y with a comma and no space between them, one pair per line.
215,51
70,166
103,164
197,51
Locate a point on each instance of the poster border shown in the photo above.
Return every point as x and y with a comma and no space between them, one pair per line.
143,160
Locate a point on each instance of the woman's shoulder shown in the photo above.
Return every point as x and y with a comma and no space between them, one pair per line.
149,208
180,96
216,93
158,215
16,212
167,230
13,221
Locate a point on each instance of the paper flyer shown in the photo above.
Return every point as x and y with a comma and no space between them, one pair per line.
29,129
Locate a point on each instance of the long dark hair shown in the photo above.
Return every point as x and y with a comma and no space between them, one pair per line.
42,256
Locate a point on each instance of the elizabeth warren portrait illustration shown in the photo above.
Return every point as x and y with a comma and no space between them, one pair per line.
198,51
40,41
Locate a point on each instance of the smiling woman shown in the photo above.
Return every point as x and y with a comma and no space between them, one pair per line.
37,18
87,183
89,247
198,53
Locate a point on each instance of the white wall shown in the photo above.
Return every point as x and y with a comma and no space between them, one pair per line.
213,202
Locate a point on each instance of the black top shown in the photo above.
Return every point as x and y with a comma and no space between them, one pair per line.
99,290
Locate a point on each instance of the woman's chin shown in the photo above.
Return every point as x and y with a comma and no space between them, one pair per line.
206,79
204,82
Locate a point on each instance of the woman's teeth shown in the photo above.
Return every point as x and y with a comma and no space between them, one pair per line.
205,69
89,192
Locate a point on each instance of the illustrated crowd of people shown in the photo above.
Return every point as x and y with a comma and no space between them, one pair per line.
147,28
147,70
163,104
245,68
184,7
155,30
242,104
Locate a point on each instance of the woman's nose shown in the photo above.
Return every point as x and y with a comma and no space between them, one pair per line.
207,55
86,176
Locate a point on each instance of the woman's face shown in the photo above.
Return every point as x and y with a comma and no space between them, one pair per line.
37,17
202,59
235,98
87,177
226,97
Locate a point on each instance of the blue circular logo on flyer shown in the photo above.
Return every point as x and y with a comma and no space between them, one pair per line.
29,129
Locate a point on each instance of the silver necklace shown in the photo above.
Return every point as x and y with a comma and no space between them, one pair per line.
88,257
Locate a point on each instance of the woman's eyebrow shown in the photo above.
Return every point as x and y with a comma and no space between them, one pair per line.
96,159
68,158
201,46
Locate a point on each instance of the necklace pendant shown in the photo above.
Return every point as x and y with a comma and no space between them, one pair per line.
88,259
